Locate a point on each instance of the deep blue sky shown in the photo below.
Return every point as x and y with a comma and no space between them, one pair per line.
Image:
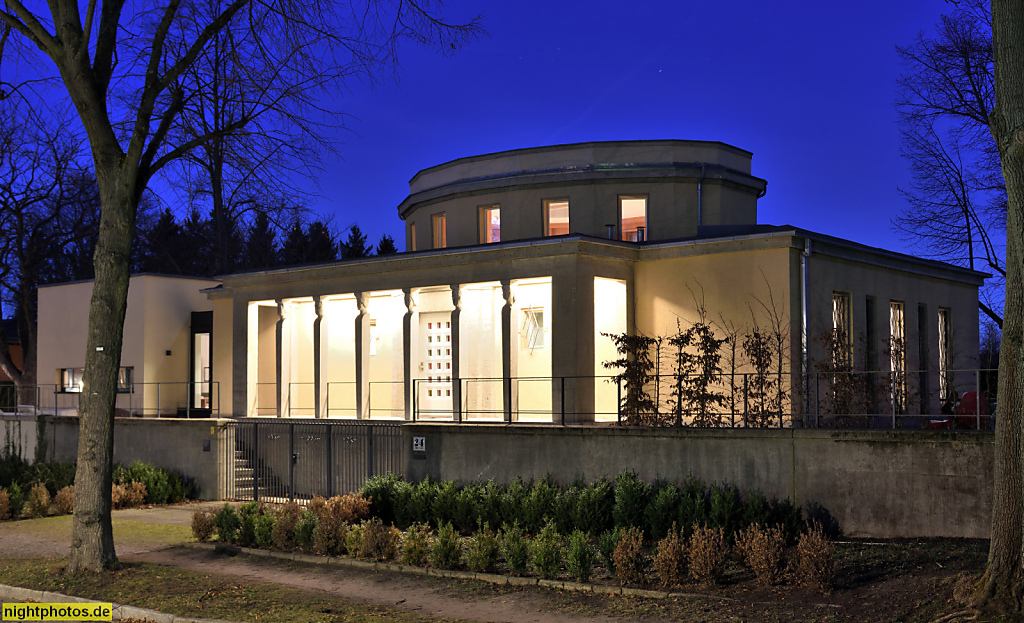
808,87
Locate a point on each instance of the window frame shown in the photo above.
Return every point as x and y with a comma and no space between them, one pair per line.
842,355
125,380
622,230
898,355
484,221
439,230
547,204
944,319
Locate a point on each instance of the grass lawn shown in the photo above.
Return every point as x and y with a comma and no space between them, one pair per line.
188,593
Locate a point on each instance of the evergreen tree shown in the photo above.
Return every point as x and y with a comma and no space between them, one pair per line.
293,249
386,246
161,246
355,244
321,246
260,244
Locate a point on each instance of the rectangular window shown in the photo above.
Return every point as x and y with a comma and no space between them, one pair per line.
898,356
633,218
556,217
412,236
945,354
842,330
439,228
126,380
71,380
490,224
531,331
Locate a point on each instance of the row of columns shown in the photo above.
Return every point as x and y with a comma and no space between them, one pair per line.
410,348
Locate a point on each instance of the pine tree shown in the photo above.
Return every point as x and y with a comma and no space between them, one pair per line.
355,244
386,246
260,244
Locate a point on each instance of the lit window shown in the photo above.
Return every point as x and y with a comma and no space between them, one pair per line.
440,230
842,355
898,356
531,331
633,218
126,380
490,224
556,218
412,236
71,380
945,354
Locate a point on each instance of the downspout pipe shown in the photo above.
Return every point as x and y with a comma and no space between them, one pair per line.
700,198
804,256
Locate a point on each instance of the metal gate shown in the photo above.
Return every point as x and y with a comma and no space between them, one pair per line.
294,459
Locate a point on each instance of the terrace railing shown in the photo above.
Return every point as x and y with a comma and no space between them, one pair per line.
169,399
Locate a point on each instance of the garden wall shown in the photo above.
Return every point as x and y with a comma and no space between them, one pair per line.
194,448
876,483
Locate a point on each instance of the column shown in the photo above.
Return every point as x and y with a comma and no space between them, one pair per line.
362,356
508,355
283,338
410,351
456,339
319,388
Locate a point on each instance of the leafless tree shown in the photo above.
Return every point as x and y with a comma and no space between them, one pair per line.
48,210
1003,585
956,202
126,69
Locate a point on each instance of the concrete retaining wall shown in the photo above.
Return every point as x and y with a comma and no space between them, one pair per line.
877,484
194,448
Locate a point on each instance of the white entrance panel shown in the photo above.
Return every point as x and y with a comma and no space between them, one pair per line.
201,394
609,318
435,368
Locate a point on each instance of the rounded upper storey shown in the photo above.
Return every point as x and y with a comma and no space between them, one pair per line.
627,190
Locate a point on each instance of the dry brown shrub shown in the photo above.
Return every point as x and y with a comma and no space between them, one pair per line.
670,560
116,496
134,494
284,530
37,504
350,508
816,561
5,505
317,506
65,500
380,542
763,549
630,560
329,535
708,553
202,525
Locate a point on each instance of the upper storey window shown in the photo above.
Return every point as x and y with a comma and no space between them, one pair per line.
439,229
556,217
633,218
490,224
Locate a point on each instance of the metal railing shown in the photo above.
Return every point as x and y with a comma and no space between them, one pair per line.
295,459
164,399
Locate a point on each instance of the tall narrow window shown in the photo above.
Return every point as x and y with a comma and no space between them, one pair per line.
490,224
898,356
842,330
923,356
412,236
633,218
945,354
439,227
556,217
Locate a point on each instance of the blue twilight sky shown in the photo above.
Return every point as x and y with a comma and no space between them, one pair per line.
808,87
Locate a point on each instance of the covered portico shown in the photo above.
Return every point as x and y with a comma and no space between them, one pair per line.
507,333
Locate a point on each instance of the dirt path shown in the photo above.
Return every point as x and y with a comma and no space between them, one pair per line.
425,596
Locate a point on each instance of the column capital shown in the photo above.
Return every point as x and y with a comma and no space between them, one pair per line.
410,299
282,309
506,292
362,301
318,306
457,295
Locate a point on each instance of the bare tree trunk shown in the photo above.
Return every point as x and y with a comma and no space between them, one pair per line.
92,538
1003,588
